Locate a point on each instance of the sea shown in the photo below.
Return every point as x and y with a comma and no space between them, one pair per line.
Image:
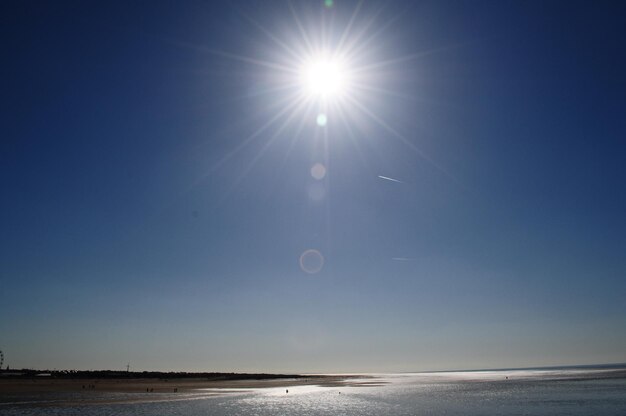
570,391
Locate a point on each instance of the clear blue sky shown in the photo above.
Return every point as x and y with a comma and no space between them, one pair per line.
157,191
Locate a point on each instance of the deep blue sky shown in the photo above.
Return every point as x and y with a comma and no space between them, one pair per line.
143,220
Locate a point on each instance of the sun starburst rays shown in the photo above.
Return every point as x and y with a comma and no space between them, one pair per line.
326,70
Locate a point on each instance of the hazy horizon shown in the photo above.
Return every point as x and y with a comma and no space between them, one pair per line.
312,186
451,370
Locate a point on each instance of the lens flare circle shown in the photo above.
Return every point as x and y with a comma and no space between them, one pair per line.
318,171
311,261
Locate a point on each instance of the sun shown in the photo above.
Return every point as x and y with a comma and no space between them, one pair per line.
324,77
330,74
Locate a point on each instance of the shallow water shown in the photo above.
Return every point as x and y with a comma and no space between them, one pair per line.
525,392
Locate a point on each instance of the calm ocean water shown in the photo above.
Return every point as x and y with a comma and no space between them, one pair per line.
581,391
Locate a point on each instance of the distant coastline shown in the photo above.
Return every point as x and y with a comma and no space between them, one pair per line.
112,374
546,368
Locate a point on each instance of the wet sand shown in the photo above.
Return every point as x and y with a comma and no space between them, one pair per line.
148,389
37,391
140,385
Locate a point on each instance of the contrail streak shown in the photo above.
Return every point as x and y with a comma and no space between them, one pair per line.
390,179
401,259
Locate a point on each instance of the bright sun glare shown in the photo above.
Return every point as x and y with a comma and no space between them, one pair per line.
323,77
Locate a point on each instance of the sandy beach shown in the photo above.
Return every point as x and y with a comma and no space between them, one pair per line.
140,385
89,391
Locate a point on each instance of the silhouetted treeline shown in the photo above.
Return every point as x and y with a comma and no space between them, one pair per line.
104,374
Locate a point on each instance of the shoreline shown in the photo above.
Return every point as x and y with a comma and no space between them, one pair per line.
63,392
166,385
